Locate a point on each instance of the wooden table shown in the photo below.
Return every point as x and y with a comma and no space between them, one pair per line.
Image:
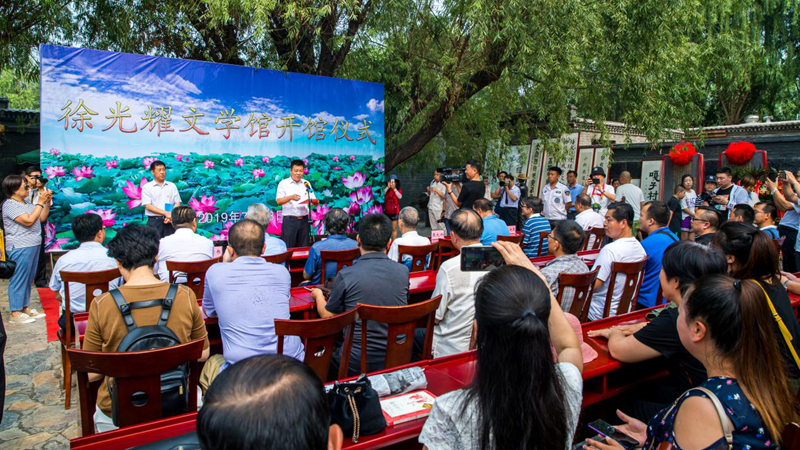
604,378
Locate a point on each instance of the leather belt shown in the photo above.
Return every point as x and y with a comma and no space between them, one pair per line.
296,217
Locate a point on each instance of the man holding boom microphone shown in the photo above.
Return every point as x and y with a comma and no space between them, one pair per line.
294,195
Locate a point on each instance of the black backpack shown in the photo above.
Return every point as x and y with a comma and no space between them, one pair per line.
174,383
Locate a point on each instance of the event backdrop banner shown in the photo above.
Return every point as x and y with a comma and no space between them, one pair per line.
226,134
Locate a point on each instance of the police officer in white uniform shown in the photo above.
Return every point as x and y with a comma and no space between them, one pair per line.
556,197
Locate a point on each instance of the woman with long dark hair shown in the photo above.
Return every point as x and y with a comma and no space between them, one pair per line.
726,324
752,254
520,398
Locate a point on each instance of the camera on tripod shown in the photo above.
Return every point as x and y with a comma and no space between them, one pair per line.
452,175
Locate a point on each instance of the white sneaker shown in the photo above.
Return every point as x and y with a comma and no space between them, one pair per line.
36,314
21,318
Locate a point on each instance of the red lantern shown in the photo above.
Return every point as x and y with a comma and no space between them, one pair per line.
682,153
740,152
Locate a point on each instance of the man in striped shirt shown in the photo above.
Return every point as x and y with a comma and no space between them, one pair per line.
534,224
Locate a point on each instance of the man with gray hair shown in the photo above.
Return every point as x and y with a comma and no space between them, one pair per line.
261,214
409,218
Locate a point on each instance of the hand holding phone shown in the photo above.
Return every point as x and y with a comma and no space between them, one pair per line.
606,430
480,259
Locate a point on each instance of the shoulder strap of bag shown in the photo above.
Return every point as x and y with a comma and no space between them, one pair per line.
723,418
787,336
674,239
126,308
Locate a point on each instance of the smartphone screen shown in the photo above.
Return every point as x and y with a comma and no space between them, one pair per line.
782,174
609,431
480,259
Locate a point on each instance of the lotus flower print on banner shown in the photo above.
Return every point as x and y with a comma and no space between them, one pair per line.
362,196
112,164
147,162
83,172
354,181
55,171
134,193
208,164
106,214
205,205
258,173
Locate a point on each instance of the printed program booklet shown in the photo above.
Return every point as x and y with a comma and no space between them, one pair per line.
406,407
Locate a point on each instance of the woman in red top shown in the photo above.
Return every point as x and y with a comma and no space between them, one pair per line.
391,205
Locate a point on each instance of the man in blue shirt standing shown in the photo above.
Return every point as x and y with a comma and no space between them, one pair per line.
336,222
492,225
654,219
575,189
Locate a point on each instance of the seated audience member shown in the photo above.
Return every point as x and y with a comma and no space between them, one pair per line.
239,410
765,219
409,218
492,225
564,242
534,223
135,249
724,323
623,248
456,311
91,256
336,222
261,214
587,217
752,255
743,213
659,237
519,397
247,294
184,245
704,224
682,264
373,280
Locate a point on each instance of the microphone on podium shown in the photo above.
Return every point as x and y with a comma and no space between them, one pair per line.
309,189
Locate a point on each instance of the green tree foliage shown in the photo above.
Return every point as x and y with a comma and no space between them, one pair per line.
21,92
26,24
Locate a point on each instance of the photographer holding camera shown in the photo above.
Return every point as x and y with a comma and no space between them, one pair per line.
471,190
36,182
22,222
599,192
508,205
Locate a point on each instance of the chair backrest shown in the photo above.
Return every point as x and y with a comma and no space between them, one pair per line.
317,238
517,238
342,258
446,251
195,273
280,258
134,373
95,283
599,234
583,285
402,321
634,272
790,438
419,255
542,239
319,338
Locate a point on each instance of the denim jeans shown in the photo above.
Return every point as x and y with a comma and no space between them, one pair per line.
19,286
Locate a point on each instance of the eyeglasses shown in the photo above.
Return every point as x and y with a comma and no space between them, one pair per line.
553,237
695,219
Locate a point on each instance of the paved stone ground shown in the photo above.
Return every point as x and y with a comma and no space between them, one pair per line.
34,416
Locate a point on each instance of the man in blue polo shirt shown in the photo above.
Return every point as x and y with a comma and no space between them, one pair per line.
575,189
336,221
653,222
493,226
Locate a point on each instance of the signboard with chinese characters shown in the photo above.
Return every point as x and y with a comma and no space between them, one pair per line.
651,179
590,157
542,159
227,135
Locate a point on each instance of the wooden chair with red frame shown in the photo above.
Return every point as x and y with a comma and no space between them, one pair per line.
342,258
319,337
281,258
95,284
195,273
402,322
446,250
599,235
634,275
420,255
582,285
135,373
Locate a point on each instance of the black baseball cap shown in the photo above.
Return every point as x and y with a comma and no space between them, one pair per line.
711,179
598,171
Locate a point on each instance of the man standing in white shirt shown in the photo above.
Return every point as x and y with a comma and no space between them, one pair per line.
159,198
508,206
294,195
587,218
409,218
632,195
599,192
91,256
624,248
184,245
456,311
436,192
556,197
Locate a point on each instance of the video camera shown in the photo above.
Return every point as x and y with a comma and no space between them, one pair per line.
452,175
40,179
